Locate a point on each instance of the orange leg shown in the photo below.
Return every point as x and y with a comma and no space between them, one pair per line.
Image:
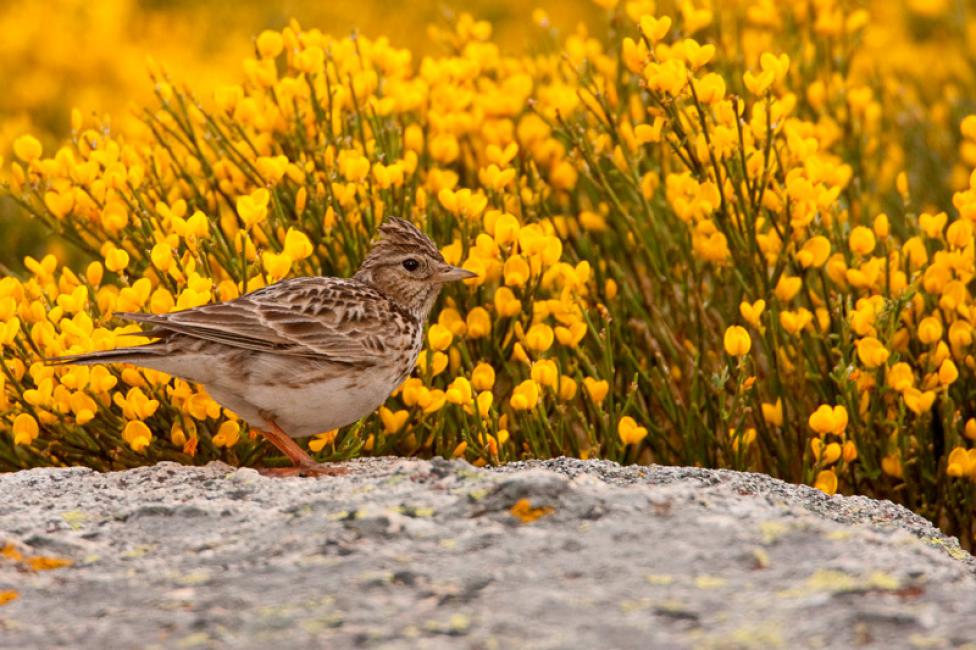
304,465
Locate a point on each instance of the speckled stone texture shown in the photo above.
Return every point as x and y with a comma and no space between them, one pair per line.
416,554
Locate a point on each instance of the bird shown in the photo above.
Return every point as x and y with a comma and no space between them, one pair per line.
303,355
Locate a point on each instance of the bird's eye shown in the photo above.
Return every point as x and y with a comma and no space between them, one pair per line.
411,264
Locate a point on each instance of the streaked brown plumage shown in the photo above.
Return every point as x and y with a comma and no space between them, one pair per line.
305,355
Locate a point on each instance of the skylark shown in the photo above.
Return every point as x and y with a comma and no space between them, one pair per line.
304,355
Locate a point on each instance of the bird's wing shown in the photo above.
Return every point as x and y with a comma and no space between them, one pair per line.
326,318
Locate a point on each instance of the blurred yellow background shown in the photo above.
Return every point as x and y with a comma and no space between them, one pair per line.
94,55
62,54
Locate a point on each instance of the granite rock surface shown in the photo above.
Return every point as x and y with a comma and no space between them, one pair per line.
416,554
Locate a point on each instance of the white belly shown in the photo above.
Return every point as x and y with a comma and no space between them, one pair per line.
304,409
302,396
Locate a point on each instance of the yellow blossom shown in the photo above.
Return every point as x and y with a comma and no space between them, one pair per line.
483,376
826,481
539,337
871,352
137,435
25,429
752,312
814,253
773,413
929,330
227,435
861,240
630,433
439,337
597,389
737,341
297,245
827,419
319,442
525,396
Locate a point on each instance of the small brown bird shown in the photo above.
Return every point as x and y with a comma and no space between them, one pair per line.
304,355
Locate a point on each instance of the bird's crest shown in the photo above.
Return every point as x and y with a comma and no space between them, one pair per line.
398,237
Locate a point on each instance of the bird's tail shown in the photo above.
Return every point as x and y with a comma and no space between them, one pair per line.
138,355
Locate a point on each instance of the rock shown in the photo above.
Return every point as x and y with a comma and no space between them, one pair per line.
406,554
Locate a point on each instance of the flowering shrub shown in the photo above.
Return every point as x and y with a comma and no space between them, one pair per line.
699,241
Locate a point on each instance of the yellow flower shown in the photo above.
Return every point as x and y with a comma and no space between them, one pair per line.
539,337
459,392
918,402
630,433
478,323
137,435
27,148
758,83
827,419
297,245
505,228
826,481
516,271
742,438
900,377
654,29
871,352
506,304
483,376
929,330
567,388
831,453
439,337
321,440
353,166
773,413
393,421
525,396
572,335
116,259
597,389
25,429
253,208
787,287
861,240
881,226
269,44
276,265
969,430
814,253
545,373
948,372
751,313
484,401
737,341
162,256
891,465
228,434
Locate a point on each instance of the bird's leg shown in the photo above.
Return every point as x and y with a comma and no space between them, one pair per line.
303,464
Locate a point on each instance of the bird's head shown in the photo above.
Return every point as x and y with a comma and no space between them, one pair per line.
404,265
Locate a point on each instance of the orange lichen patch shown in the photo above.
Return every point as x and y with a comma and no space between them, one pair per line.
11,553
526,513
8,595
46,563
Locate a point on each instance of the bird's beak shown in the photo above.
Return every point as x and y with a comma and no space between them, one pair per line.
448,273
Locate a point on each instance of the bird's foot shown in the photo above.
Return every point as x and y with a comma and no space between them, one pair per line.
316,470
